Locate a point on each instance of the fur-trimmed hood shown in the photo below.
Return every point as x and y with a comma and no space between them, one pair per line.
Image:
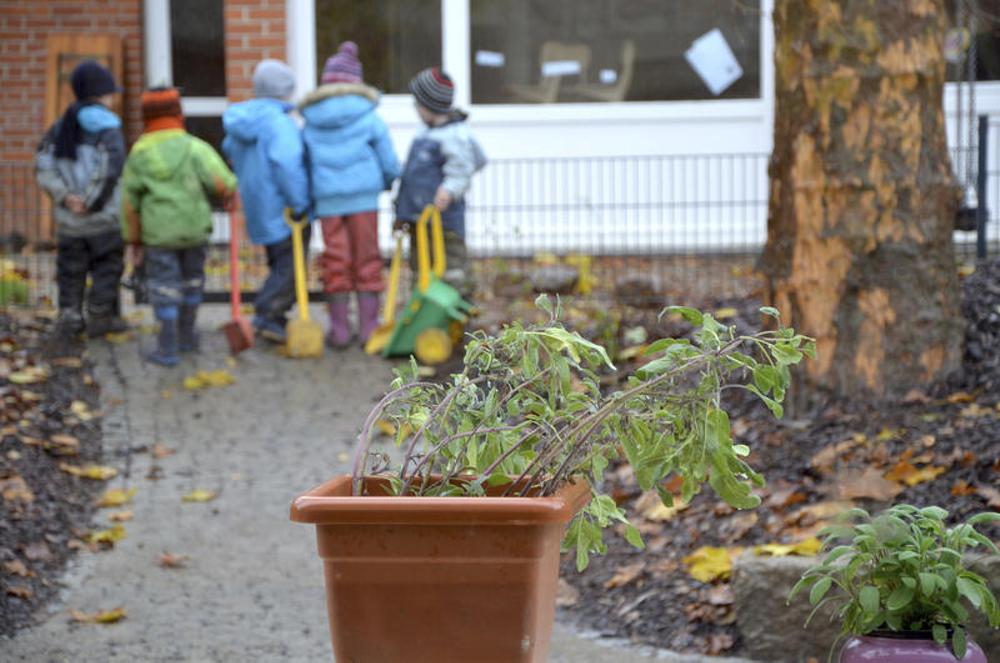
338,104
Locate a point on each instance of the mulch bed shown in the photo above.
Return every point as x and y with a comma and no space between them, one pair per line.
48,418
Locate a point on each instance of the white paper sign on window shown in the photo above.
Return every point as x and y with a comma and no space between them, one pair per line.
713,60
561,68
608,76
490,59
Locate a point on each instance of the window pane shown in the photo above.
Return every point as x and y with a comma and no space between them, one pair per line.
547,51
396,38
208,128
198,51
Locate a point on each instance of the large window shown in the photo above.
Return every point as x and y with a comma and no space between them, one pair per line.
548,51
197,47
396,38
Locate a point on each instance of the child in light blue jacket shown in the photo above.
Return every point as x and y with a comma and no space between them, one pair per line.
265,147
351,161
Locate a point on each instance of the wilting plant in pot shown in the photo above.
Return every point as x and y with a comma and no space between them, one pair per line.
899,583
518,440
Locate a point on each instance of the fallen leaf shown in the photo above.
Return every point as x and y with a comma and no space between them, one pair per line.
63,445
118,337
960,397
171,561
37,551
162,451
204,379
95,472
905,472
81,410
20,591
867,484
29,375
961,488
120,516
928,441
719,643
709,563
652,508
631,352
166,394
991,495
976,410
781,499
108,536
625,575
199,495
721,595
16,567
805,548
104,617
116,497
725,313
566,594
15,489
915,396
828,455
68,362
887,434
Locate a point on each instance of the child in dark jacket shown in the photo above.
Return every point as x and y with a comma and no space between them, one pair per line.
351,161
265,147
439,169
170,179
78,164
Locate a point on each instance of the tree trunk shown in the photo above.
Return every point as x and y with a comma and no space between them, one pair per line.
859,251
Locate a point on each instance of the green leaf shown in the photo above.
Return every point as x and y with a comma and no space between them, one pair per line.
663,344
766,377
692,315
970,591
928,582
940,633
899,598
785,354
819,590
542,302
934,512
869,599
771,311
633,536
985,517
958,642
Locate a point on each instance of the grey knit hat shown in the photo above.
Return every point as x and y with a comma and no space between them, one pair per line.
433,89
273,79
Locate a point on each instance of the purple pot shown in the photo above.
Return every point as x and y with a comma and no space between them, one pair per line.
904,647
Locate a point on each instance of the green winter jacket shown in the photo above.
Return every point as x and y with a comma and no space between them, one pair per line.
170,180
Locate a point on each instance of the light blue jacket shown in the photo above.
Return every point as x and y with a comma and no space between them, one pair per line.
265,147
351,157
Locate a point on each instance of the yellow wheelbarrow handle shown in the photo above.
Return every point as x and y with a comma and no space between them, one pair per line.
433,214
298,253
389,307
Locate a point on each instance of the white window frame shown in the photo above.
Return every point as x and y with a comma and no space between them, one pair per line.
455,57
159,60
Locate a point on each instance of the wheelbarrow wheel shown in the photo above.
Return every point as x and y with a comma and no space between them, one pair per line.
432,346
456,329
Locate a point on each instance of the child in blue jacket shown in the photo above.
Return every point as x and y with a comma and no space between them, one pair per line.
351,161
439,169
265,147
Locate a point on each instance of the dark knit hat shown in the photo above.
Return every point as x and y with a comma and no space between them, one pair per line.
344,67
90,80
433,90
161,102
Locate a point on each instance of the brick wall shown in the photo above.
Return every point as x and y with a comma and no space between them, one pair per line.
255,30
24,26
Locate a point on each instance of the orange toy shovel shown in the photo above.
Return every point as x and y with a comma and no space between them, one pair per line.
238,331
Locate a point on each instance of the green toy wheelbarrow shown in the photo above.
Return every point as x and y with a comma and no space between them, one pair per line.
433,321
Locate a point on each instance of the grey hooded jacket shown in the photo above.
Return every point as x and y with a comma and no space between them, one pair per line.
93,175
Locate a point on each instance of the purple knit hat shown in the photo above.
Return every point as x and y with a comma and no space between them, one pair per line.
344,67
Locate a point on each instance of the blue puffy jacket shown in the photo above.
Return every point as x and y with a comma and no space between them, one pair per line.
351,157
265,147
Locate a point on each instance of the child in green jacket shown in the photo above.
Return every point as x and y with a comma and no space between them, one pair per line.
170,179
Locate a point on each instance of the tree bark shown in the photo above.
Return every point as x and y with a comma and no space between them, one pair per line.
859,251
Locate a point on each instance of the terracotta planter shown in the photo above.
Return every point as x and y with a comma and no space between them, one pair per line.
438,578
904,647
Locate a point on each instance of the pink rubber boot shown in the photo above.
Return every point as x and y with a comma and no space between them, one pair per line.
339,335
367,314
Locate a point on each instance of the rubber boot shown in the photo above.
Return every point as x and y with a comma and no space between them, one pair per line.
339,335
167,342
69,324
99,325
188,336
367,314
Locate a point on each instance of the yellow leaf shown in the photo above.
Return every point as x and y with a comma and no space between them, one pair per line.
725,313
103,617
632,352
118,337
887,434
924,474
965,269
111,536
651,507
120,516
29,375
192,383
95,472
80,409
199,495
166,394
116,497
15,489
203,379
709,563
385,427
805,548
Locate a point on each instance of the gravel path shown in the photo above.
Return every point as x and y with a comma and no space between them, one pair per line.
251,588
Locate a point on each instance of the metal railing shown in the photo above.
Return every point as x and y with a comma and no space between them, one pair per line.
675,224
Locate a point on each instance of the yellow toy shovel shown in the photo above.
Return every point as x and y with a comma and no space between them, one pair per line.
305,337
380,337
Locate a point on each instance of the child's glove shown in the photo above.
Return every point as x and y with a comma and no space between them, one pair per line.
442,198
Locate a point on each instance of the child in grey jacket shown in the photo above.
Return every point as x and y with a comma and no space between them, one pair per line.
439,170
79,163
